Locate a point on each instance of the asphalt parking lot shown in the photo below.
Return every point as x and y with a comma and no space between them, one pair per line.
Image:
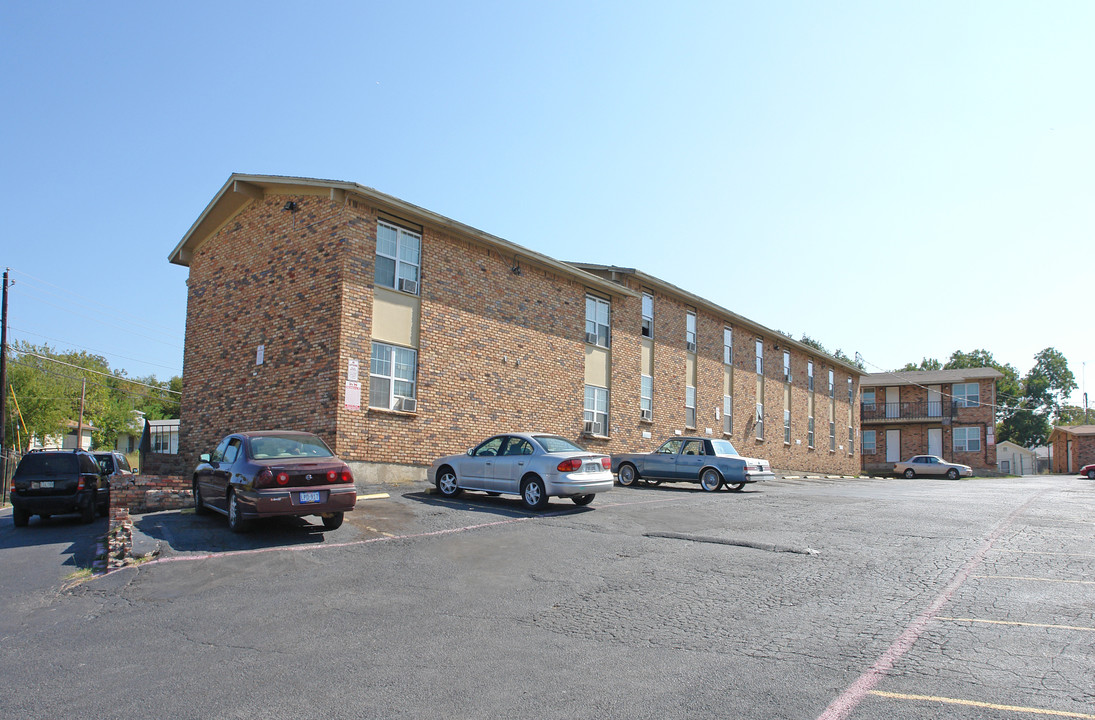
795,599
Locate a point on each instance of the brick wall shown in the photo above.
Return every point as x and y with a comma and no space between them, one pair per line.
151,493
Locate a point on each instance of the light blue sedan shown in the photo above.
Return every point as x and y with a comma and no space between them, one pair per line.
531,465
711,463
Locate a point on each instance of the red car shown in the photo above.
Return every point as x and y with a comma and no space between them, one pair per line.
1088,470
273,472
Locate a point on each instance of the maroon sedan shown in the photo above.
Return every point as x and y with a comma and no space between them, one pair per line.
273,472
1088,470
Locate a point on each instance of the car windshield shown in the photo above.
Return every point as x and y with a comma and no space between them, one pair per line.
723,447
48,464
554,444
280,447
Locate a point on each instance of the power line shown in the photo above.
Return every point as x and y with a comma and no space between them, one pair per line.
896,374
92,350
73,311
120,391
97,372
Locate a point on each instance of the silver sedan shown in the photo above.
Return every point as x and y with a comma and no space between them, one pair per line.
531,465
927,465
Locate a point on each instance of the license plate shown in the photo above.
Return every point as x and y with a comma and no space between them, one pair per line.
593,467
44,485
309,497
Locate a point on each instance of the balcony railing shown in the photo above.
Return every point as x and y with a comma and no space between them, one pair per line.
901,411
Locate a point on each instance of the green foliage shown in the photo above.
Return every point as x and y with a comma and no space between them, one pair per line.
1024,427
1073,415
816,345
839,355
1008,389
1049,383
925,364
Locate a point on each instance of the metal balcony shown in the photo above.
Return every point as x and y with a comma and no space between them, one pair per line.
907,411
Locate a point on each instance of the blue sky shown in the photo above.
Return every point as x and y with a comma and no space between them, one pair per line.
898,179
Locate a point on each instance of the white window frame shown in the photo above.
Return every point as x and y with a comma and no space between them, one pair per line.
386,370
760,357
851,391
404,268
599,321
810,432
648,315
810,375
760,421
689,406
971,439
964,398
851,440
595,410
728,414
646,397
832,436
868,392
870,447
690,331
832,384
786,426
727,346
787,366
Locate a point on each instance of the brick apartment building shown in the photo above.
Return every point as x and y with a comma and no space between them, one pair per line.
400,335
949,413
1073,447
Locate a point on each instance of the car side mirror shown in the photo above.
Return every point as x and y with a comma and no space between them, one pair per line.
204,457
470,451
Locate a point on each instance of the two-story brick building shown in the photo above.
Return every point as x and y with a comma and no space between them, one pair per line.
400,335
949,413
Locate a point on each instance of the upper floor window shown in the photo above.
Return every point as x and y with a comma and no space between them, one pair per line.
832,385
690,331
728,346
398,257
851,391
648,315
786,366
967,394
760,357
868,397
392,377
597,321
810,376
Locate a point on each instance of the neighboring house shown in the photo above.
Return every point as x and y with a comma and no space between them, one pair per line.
1073,447
66,442
129,439
163,436
949,413
1015,459
400,335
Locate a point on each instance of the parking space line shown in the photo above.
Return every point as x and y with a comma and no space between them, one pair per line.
1033,579
374,496
1014,622
979,704
1042,552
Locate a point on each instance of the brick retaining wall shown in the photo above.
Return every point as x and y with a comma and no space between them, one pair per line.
150,493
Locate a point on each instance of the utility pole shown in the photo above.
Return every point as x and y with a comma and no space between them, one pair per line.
80,423
4,369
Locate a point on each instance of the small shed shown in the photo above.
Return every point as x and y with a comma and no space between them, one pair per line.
1015,459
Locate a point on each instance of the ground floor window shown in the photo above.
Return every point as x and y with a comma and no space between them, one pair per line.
727,414
392,377
869,447
690,406
646,398
760,421
809,432
595,410
787,426
967,439
832,436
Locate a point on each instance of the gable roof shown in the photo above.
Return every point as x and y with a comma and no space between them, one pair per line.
930,377
1073,430
241,189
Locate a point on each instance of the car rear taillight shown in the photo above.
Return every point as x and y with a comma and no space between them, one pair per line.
264,478
80,484
569,465
346,475
283,478
606,463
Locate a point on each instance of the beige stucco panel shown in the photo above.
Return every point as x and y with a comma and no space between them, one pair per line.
395,317
648,357
597,366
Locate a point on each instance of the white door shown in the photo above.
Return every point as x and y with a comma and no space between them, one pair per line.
935,441
935,408
893,445
893,402
1070,457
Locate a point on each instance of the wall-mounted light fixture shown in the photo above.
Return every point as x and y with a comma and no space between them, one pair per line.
516,269
291,206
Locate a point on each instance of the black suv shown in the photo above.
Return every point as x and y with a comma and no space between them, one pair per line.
51,482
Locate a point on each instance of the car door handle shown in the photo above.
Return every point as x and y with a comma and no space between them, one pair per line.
521,463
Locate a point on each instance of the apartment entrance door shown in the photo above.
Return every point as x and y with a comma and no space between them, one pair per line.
935,441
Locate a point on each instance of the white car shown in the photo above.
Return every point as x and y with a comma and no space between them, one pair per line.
928,465
532,465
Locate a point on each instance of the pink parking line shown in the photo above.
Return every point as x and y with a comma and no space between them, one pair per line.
842,707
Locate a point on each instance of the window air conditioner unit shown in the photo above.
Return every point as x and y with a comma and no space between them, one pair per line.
645,414
408,286
691,346
591,338
589,427
406,404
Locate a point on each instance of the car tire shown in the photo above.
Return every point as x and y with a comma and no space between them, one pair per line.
1091,474
87,513
199,505
533,493
333,521
236,521
952,474
447,484
104,509
627,475
710,480
737,487
583,499
20,517
910,474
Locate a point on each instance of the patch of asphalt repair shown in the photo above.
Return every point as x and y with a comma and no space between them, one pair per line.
767,547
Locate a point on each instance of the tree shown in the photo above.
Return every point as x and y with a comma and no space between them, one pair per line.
1024,427
925,364
1072,415
839,355
1009,392
1049,383
816,345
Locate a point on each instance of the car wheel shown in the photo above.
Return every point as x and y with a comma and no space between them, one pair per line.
627,475
104,509
447,484
333,521
199,505
1091,474
952,474
583,499
909,474
533,494
710,480
20,517
236,522
737,487
87,514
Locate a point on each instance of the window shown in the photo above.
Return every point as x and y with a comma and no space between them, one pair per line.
391,377
810,432
967,439
832,436
787,426
597,321
868,398
161,438
810,375
690,331
786,366
595,411
646,397
690,406
869,442
832,385
851,440
728,414
648,315
398,257
967,394
693,447
760,421
760,357
851,391
728,346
